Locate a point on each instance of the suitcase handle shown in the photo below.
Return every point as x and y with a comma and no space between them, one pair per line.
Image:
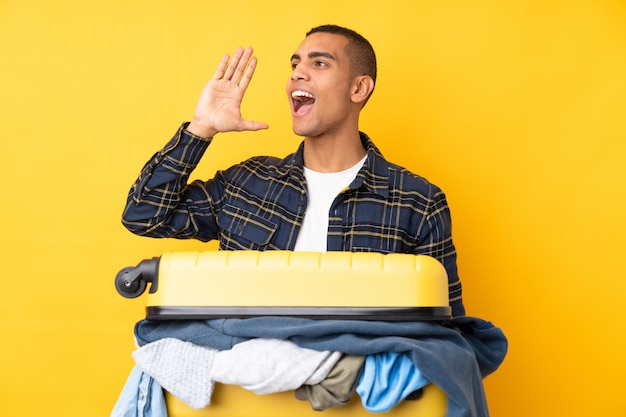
131,281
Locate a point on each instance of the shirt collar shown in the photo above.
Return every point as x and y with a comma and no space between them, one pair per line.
374,175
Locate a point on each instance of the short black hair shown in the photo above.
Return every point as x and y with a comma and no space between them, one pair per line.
359,50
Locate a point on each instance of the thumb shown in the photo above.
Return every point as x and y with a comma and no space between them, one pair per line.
253,125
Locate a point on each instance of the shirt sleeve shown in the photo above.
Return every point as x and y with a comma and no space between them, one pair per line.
436,241
161,203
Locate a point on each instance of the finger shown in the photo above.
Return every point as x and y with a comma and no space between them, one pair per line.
221,67
242,64
247,75
232,65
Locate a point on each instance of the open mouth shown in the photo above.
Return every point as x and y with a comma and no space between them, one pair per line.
301,101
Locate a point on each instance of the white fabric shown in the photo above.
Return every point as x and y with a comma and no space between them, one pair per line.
182,368
265,366
322,189
260,365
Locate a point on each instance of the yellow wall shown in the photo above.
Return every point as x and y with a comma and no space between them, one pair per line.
516,108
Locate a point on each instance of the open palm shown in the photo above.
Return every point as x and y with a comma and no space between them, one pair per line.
219,105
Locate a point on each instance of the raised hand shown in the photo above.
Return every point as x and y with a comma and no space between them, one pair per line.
219,105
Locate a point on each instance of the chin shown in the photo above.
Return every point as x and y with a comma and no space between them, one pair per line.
297,133
301,131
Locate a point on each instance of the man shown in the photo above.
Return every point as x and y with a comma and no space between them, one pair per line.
335,193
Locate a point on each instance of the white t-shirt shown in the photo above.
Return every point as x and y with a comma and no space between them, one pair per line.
322,188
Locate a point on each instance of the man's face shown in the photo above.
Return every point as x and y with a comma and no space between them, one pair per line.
319,87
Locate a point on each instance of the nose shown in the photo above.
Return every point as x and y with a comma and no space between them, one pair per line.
299,73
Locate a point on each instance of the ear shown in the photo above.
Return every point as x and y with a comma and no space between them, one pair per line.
362,87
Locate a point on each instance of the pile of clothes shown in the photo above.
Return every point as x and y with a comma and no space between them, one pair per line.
324,361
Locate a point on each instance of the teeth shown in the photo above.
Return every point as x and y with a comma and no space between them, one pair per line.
300,93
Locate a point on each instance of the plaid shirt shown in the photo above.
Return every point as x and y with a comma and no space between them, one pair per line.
259,204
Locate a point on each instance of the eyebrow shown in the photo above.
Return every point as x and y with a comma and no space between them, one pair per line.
315,55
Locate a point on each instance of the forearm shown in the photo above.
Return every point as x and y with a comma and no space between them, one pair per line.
158,203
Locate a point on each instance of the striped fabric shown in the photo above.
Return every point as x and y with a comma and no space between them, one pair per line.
259,204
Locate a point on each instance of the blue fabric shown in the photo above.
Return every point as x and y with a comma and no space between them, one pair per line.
141,396
454,355
387,378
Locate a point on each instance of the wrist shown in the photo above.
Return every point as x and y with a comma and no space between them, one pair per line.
200,130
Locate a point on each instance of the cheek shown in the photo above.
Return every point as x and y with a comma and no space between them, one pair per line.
338,99
343,90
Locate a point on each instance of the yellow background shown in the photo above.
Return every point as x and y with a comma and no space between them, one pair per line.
515,108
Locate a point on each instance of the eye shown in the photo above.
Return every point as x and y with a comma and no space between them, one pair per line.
320,64
294,65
